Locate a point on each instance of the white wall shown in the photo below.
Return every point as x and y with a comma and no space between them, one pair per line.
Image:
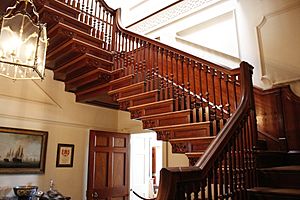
261,32
46,106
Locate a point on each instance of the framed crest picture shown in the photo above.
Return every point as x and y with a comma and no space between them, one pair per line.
65,155
22,151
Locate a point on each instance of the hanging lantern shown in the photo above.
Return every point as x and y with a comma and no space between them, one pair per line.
23,42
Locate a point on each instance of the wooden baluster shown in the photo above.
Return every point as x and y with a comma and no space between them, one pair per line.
157,72
200,112
182,96
207,109
196,190
226,167
221,177
234,91
102,26
167,94
227,79
106,30
152,55
91,13
69,2
140,63
203,186
78,5
131,55
230,171
153,79
172,75
176,92
188,191
250,156
152,64
109,40
194,100
144,60
209,182
86,19
238,158
235,173
74,3
215,109
98,33
215,180
188,85
161,64
242,167
81,18
94,26
137,58
221,76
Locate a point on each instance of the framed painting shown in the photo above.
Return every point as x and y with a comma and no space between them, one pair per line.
65,155
22,151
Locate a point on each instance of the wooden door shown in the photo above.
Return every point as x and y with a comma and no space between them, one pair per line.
108,175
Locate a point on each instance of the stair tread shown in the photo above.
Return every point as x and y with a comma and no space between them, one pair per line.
200,153
121,79
125,88
277,191
288,168
164,114
136,95
182,125
149,104
79,32
193,138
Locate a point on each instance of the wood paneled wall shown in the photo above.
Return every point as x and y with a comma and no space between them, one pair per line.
278,117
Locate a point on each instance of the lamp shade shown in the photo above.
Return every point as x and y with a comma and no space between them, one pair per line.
23,44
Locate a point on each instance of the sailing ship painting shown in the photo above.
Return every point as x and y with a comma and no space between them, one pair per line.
20,150
14,156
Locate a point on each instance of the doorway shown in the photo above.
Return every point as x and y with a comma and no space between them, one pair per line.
145,164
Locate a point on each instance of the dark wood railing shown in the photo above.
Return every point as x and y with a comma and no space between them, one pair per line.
214,93
194,83
99,16
227,167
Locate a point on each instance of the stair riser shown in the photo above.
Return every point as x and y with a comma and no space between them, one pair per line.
172,120
127,93
152,110
165,135
256,196
264,160
190,146
123,83
279,179
125,104
52,17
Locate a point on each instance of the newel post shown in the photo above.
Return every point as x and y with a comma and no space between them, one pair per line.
117,15
246,66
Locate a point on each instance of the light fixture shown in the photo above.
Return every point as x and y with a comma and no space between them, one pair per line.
23,42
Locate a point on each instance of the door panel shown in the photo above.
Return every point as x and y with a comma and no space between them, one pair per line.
108,166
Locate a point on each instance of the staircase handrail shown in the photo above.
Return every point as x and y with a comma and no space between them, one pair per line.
120,27
171,178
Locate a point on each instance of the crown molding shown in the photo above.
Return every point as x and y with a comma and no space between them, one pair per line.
171,14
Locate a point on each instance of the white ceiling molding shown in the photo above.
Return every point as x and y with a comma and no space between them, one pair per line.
218,33
171,14
279,62
212,55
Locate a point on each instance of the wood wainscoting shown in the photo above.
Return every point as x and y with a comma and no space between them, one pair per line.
277,112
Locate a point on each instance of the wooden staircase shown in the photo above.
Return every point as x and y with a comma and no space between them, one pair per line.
203,109
278,176
186,134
